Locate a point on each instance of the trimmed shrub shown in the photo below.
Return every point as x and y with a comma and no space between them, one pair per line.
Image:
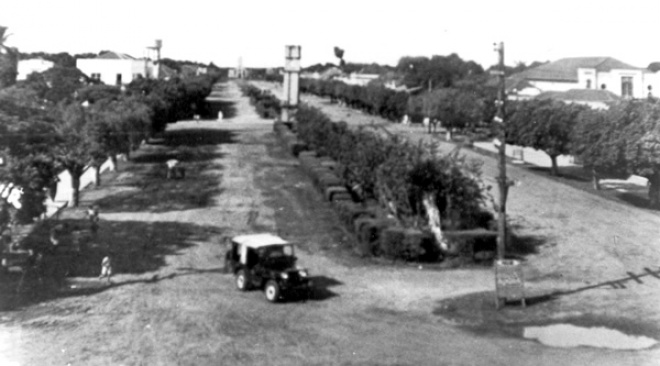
308,153
327,180
298,147
464,243
342,196
369,235
349,212
331,192
308,163
279,127
391,242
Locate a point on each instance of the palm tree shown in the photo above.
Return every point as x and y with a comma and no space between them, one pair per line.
8,61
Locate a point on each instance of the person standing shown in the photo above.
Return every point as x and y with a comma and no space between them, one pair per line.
93,215
106,268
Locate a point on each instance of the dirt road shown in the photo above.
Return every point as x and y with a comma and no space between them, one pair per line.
178,308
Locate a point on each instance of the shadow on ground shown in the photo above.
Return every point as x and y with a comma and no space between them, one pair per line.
321,288
143,181
72,270
228,109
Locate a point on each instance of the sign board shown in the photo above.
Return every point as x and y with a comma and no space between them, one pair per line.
509,284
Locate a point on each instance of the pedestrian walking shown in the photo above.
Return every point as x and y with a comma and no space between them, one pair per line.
171,167
106,268
93,216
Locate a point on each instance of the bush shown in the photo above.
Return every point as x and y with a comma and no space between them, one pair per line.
464,244
391,242
266,104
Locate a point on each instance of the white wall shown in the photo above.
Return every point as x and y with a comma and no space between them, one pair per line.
64,189
26,67
109,68
555,85
612,79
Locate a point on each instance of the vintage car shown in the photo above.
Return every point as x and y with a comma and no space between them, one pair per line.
267,262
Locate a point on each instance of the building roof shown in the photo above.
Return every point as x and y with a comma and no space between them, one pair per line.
581,95
566,69
112,55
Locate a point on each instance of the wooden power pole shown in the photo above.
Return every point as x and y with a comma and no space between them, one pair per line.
502,180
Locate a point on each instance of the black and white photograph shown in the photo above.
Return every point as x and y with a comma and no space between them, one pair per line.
289,182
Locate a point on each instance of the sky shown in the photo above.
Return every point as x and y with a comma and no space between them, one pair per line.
222,31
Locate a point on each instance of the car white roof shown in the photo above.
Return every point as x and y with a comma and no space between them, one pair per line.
259,240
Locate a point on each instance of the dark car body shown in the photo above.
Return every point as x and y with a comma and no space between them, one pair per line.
267,262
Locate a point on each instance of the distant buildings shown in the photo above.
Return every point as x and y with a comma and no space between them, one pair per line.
27,67
595,81
114,68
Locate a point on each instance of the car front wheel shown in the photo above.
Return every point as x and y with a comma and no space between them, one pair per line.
272,291
241,280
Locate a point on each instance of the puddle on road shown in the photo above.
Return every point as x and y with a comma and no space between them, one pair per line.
568,335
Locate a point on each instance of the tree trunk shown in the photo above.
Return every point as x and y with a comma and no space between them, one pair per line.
654,190
75,189
433,214
113,158
595,179
555,169
97,175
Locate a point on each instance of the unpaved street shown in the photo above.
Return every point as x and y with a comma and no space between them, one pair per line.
180,309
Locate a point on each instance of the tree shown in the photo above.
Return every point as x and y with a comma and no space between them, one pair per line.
8,61
596,141
641,150
73,150
545,125
339,53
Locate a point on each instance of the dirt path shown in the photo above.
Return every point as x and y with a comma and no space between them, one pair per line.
182,310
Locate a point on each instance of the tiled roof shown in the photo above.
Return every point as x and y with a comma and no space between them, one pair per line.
565,69
112,55
581,95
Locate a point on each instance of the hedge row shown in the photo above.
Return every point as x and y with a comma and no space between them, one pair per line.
266,104
377,234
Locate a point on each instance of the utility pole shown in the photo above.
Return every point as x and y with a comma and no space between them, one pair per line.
502,180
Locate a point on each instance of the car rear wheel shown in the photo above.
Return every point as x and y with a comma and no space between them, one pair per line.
241,280
272,291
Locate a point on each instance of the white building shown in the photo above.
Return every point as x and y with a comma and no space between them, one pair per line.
595,73
358,78
27,67
114,68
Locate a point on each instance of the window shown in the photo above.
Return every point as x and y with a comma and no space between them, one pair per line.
96,76
589,84
626,86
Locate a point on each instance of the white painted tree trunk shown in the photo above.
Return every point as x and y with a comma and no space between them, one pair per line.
434,220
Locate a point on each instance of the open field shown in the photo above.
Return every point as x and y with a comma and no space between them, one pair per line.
170,303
